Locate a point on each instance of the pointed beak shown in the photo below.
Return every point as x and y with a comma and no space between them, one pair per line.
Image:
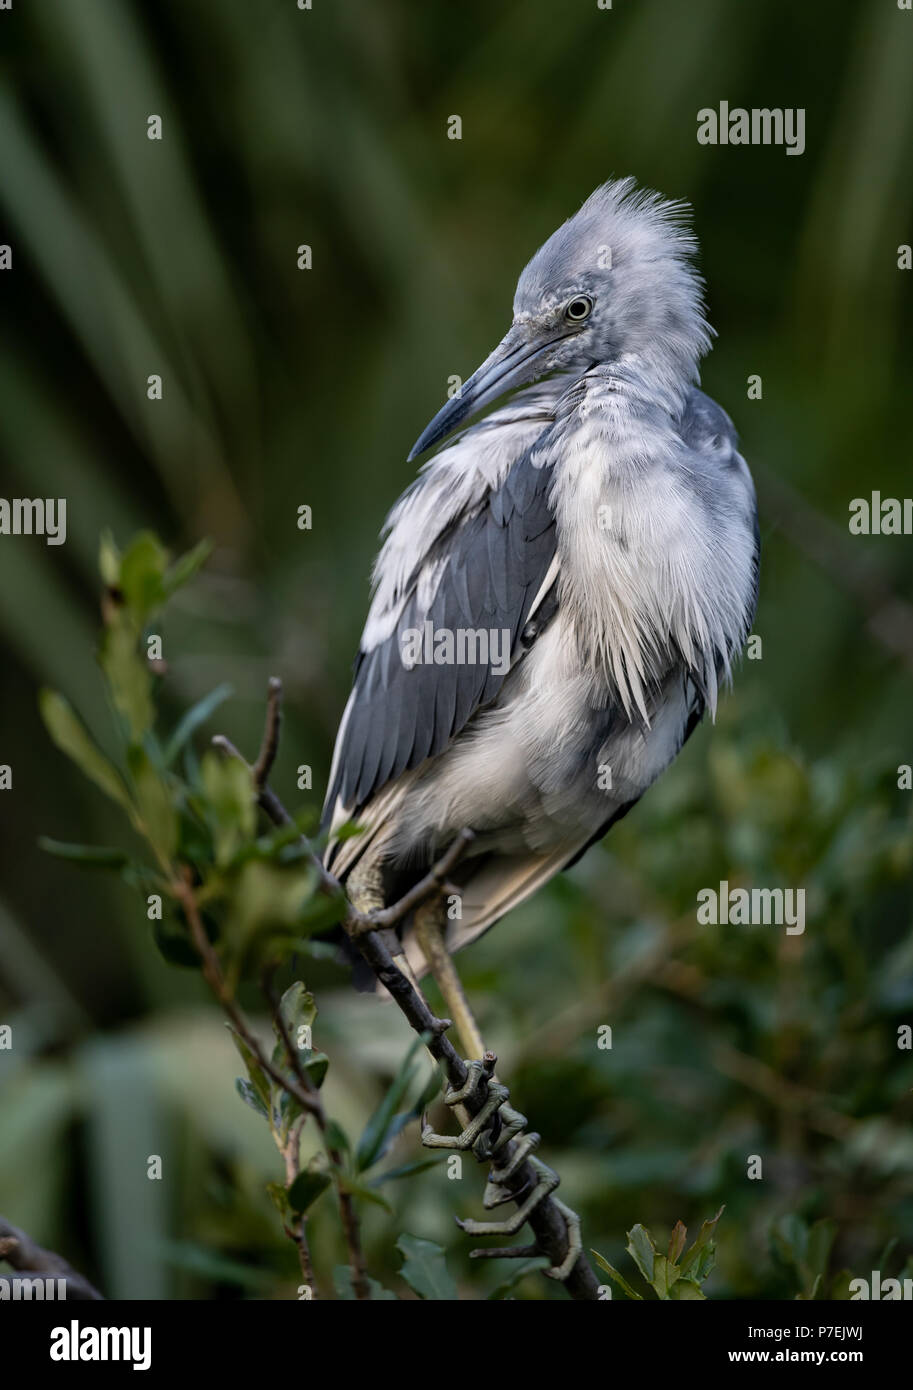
516,361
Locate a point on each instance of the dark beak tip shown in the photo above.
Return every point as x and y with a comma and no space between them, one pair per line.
437,429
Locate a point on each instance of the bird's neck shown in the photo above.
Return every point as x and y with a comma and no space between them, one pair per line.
655,377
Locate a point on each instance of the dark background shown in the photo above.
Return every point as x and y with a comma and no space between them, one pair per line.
285,387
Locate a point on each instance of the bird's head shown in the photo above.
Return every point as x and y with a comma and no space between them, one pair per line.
617,278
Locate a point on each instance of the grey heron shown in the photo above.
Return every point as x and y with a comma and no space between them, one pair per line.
559,594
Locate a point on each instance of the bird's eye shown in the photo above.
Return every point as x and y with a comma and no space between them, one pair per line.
580,308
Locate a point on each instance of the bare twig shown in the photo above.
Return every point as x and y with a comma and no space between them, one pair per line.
373,938
270,745
32,1261
299,1236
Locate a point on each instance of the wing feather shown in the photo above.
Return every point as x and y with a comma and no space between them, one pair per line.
484,572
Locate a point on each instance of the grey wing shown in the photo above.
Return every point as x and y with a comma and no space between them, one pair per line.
486,572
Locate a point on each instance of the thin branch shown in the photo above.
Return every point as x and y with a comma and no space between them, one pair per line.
349,1217
32,1261
270,745
300,1239
212,972
374,939
301,1087
298,1232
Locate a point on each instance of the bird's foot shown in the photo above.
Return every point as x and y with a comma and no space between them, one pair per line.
475,1131
517,1252
489,1134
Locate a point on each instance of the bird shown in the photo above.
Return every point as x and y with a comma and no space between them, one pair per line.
559,596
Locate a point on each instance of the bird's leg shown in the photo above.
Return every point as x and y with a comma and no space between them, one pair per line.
490,1132
365,885
365,888
429,925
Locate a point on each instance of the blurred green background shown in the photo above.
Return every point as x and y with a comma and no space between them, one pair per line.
285,387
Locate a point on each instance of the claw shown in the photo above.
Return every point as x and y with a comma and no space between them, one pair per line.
574,1245
488,1134
548,1181
481,1122
474,1072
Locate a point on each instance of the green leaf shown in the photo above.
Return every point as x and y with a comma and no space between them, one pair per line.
320,911
336,1137
820,1242
425,1269
89,856
385,1124
517,1275
109,560
789,1237
347,831
361,1190
297,1011
212,1265
642,1250
195,716
157,813
306,1189
677,1241
71,738
700,1259
186,567
285,1110
659,1281
686,1291
279,1198
317,1066
229,793
142,572
248,1094
262,923
406,1170
255,1072
619,1279
128,677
